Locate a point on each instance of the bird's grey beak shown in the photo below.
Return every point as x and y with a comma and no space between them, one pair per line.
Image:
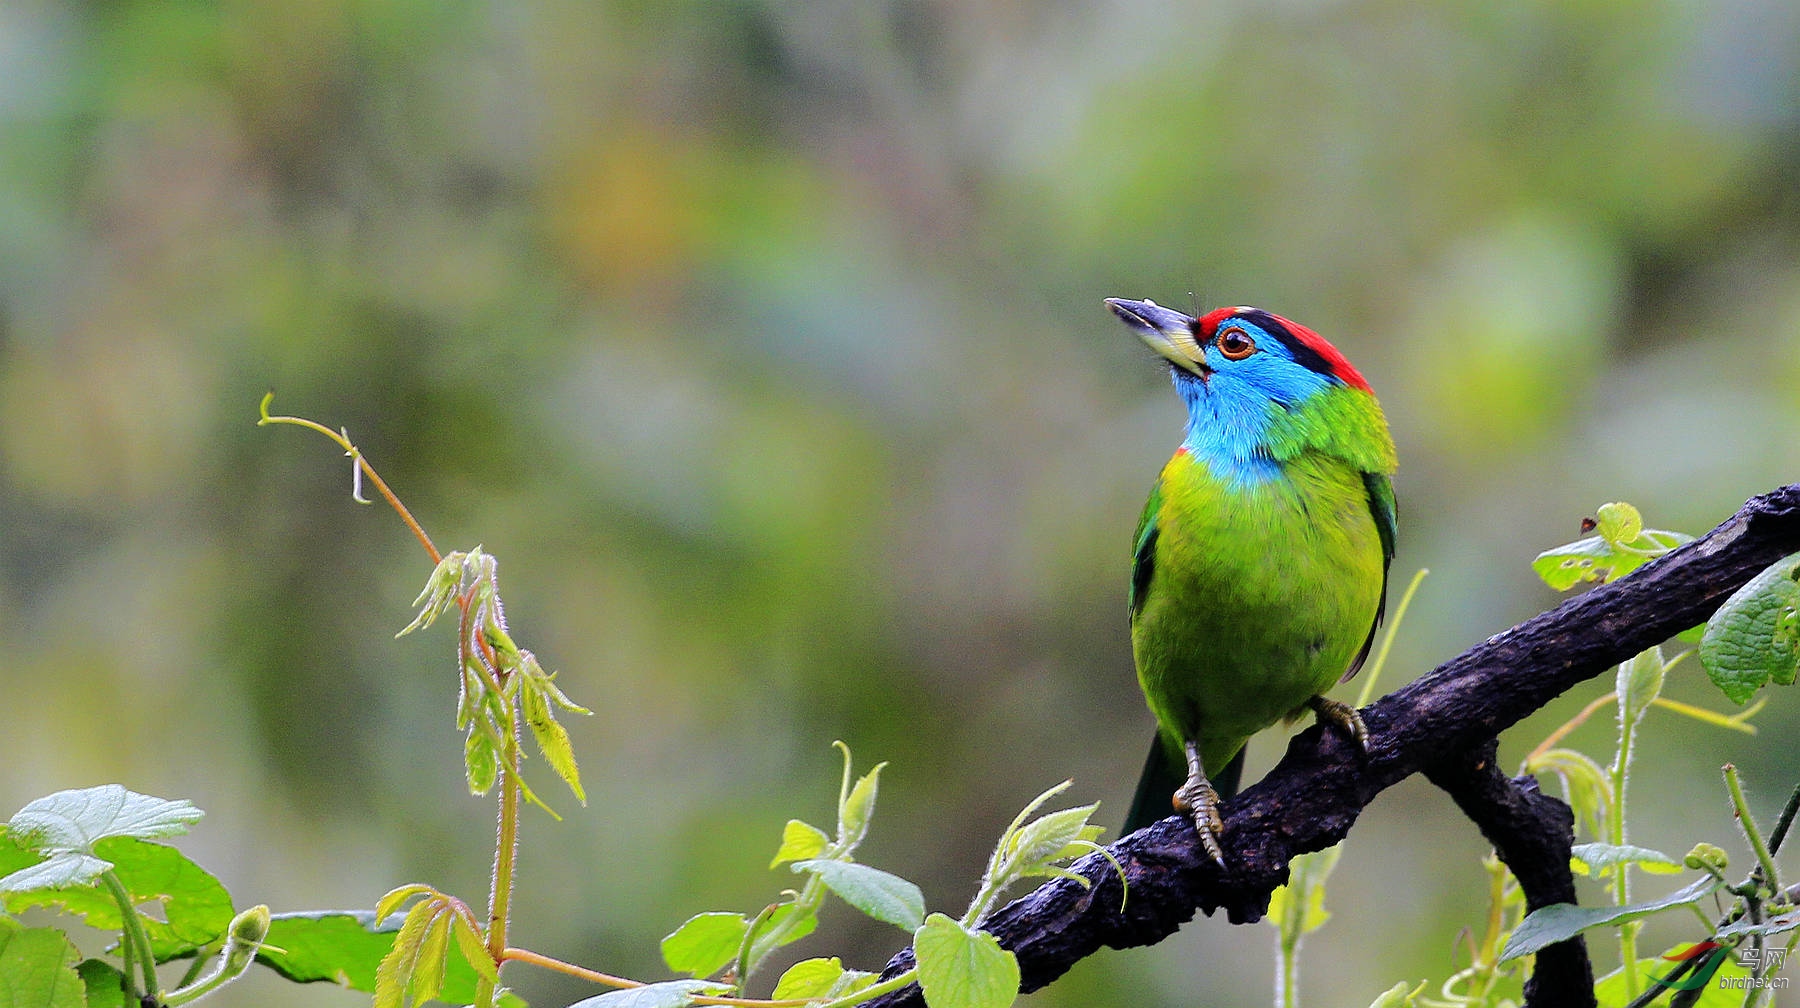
1168,332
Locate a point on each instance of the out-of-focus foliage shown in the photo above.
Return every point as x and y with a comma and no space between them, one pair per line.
763,343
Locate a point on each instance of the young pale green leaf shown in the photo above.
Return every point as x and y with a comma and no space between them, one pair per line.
885,897
1618,523
546,681
391,900
439,594
808,978
1561,921
1754,638
474,950
77,820
1298,908
1401,995
37,969
1639,681
1595,858
800,842
961,968
434,955
395,975
668,994
704,943
481,761
552,738
854,815
1046,839
1585,785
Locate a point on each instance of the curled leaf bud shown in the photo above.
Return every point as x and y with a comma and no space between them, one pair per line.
1707,857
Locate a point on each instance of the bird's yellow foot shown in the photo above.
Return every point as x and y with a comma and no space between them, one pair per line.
1343,717
1200,803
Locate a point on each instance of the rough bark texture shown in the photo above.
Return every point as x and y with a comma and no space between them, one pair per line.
1444,724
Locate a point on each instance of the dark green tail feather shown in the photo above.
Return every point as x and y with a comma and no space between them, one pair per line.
1162,776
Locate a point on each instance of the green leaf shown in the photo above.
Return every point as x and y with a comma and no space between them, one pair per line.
854,815
1599,857
77,820
433,957
1401,995
960,968
551,737
1596,559
883,896
1298,908
346,948
37,969
395,975
474,951
337,947
1049,837
1639,681
393,898
1561,921
440,592
62,870
668,994
1564,567
481,761
1778,924
1618,523
704,943
196,909
1585,784
808,978
1754,638
800,842
105,984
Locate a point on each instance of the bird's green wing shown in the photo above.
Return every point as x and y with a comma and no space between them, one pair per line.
1381,506
1143,562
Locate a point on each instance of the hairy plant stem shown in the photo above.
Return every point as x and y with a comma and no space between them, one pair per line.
1621,887
135,940
1752,834
506,849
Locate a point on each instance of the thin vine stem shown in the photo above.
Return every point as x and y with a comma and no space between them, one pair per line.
359,465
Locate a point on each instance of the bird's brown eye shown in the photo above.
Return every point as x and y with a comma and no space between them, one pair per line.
1235,344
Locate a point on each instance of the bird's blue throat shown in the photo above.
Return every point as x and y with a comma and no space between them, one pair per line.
1229,416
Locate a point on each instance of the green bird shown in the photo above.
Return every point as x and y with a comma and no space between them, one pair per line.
1261,565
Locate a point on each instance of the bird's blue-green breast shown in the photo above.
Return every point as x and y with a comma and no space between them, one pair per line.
1251,596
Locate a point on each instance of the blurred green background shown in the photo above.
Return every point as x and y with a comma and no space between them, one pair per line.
762,341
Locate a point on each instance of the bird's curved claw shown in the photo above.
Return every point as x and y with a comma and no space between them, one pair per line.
1200,803
1197,800
1343,717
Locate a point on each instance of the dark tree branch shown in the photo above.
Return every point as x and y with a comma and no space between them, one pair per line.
1532,833
1311,799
